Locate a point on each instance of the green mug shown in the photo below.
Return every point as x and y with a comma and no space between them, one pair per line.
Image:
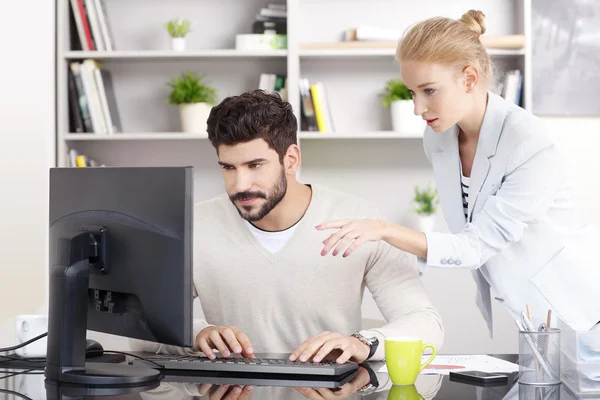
403,358
406,392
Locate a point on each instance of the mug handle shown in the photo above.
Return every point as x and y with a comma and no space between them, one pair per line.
22,326
426,363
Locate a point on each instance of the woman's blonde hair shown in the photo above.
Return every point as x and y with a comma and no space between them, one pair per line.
448,41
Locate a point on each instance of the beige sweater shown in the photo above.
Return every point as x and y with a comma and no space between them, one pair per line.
280,300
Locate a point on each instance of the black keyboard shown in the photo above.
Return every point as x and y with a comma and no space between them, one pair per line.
247,365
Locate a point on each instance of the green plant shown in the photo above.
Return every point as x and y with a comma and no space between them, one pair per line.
425,201
394,90
178,28
189,88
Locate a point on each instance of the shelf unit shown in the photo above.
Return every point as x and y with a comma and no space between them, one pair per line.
141,67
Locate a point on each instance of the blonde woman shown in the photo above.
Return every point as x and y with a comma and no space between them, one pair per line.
502,186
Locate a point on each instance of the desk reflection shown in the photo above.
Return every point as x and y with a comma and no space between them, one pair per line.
425,388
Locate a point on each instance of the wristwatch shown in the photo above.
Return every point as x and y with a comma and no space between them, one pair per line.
371,342
373,384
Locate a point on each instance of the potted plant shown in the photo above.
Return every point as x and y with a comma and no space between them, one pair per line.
425,205
178,30
195,100
397,97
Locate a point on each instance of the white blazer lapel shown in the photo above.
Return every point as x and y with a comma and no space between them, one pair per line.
493,122
446,167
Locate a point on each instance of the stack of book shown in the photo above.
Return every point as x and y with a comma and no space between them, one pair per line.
274,83
316,113
271,19
510,86
92,102
91,23
81,160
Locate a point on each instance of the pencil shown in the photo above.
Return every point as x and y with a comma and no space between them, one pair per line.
548,319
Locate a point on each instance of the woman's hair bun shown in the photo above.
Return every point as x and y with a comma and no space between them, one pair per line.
474,19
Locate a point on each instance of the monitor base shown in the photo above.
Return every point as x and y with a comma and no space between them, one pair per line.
102,374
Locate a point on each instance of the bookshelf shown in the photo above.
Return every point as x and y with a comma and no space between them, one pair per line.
354,74
142,57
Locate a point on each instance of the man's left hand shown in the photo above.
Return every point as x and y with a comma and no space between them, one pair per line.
331,345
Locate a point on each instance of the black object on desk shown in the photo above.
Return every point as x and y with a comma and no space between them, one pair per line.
479,378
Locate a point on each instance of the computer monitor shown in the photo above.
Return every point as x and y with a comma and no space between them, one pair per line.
120,263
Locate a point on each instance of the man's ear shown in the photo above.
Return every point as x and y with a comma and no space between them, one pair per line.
471,77
291,160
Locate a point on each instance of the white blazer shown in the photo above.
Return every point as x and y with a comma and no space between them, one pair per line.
522,235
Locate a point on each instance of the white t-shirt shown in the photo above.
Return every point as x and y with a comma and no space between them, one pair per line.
272,241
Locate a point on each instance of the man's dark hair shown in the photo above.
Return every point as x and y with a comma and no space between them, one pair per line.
256,114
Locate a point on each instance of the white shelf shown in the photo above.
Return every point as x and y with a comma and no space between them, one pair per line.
91,137
360,135
384,52
172,55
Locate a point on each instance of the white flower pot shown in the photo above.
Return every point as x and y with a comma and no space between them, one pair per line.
425,222
404,119
178,43
193,117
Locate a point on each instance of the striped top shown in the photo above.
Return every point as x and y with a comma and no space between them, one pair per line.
464,184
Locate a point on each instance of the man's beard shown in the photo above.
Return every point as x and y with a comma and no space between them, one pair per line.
277,194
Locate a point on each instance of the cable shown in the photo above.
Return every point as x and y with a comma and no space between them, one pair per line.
21,395
43,335
29,360
28,372
43,360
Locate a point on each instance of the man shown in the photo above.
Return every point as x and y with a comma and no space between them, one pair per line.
262,282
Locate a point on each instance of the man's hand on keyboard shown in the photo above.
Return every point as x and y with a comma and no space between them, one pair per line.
226,339
331,345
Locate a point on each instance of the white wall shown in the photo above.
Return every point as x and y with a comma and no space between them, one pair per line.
26,152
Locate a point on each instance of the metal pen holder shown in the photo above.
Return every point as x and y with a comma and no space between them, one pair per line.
539,357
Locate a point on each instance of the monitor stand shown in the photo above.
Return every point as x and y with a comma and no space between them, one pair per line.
67,317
